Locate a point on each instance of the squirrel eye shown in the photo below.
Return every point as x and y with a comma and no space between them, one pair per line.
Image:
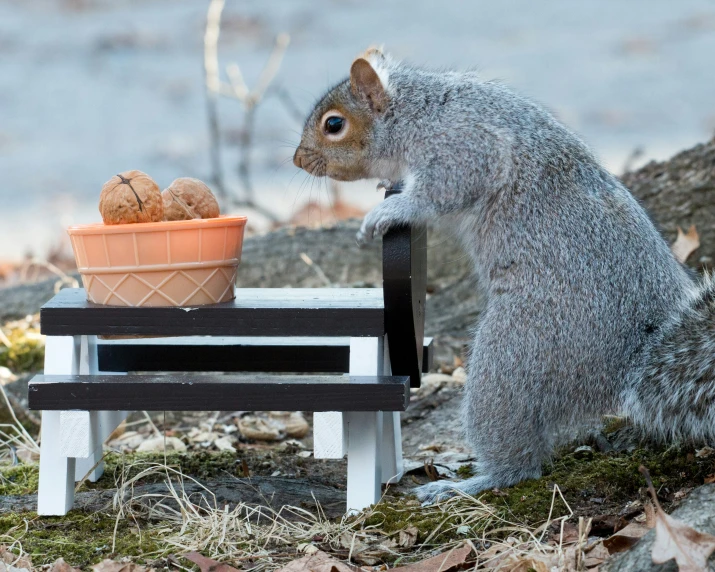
334,124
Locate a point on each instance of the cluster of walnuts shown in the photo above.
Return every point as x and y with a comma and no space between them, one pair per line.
133,196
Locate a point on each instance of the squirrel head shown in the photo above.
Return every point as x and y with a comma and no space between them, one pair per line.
338,138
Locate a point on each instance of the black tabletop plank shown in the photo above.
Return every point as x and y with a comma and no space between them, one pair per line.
254,312
191,392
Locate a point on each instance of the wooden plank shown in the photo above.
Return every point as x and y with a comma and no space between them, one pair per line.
404,275
255,312
192,392
276,356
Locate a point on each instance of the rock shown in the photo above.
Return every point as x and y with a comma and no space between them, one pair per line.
698,511
583,452
680,192
158,444
225,444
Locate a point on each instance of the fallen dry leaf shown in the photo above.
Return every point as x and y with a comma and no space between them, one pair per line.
112,566
317,562
527,564
649,512
704,453
60,565
685,244
207,564
676,540
432,473
625,538
260,429
10,562
596,555
408,537
440,563
159,443
709,479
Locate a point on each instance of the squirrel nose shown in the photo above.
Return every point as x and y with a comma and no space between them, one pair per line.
298,158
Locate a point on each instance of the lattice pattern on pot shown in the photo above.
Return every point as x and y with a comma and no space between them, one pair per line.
176,288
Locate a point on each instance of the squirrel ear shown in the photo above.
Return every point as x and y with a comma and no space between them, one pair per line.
366,84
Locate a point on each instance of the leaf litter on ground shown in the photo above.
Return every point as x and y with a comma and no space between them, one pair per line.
675,540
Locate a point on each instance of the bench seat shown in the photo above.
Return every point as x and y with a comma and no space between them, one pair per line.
205,392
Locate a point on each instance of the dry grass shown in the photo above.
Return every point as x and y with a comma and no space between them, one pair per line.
269,538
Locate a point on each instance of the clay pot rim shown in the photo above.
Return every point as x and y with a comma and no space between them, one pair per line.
101,228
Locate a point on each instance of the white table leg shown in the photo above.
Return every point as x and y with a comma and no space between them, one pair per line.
364,430
56,487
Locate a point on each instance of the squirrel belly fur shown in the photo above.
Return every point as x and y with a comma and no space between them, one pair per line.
587,312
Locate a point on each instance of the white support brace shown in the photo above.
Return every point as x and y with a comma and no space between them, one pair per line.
392,466
82,433
56,487
328,436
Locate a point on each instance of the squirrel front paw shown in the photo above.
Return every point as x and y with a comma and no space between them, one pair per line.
376,223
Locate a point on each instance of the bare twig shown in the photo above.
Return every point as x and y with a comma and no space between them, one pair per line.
213,87
318,270
249,98
287,100
152,425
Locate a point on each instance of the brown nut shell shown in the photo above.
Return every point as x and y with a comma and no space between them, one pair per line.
188,198
131,197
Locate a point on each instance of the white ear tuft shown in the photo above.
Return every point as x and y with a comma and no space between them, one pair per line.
379,62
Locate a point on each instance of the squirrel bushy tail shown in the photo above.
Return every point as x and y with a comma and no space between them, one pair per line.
672,395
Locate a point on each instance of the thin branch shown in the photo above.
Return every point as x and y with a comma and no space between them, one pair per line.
272,66
213,87
239,90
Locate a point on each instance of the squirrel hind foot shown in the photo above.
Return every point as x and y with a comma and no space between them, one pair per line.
437,491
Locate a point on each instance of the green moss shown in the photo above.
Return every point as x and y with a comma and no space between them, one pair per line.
612,423
19,480
24,354
81,539
610,478
465,471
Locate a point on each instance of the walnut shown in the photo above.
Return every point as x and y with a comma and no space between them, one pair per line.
130,197
187,199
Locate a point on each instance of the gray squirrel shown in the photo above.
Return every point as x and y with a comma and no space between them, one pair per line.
588,311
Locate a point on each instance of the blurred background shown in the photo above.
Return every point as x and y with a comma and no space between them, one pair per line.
90,88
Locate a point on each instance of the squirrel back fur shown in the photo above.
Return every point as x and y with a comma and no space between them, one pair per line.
588,311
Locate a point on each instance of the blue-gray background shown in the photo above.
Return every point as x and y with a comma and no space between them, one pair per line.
89,88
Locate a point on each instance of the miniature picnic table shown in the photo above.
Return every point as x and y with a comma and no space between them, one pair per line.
348,354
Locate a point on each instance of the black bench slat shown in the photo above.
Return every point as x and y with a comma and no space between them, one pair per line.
255,312
294,358
191,392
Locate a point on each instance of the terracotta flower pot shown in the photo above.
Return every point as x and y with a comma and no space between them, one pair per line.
177,263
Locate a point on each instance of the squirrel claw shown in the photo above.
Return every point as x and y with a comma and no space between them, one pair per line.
384,184
361,239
